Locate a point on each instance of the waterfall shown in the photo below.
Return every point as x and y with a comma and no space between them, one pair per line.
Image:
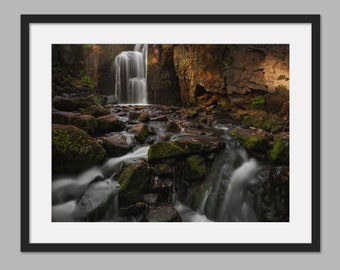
131,73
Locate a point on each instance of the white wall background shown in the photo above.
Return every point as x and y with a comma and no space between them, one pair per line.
10,139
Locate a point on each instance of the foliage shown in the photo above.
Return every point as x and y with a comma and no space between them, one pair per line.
258,101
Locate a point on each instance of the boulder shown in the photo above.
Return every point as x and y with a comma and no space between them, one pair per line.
163,213
116,145
134,182
172,126
64,104
195,168
109,123
84,122
96,111
73,150
253,139
262,120
163,169
141,131
161,185
151,198
165,150
144,117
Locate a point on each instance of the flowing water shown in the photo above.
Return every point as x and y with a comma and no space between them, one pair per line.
131,74
225,194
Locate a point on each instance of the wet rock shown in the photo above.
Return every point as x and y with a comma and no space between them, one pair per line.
172,127
133,210
134,182
73,150
117,145
272,195
161,118
164,150
163,169
111,99
151,198
195,168
64,104
109,123
163,213
200,144
280,152
161,185
96,111
262,120
133,116
84,122
253,139
144,117
141,131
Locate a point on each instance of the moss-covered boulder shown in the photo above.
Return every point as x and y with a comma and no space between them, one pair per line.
144,117
134,182
73,150
280,152
116,145
261,119
163,213
252,139
84,122
164,150
195,168
163,169
109,123
96,111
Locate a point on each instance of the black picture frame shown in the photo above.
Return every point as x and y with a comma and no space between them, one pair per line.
27,20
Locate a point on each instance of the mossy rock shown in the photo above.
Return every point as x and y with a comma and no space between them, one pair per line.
252,139
96,111
84,122
73,150
163,169
263,120
142,133
109,123
280,152
64,104
164,150
223,103
144,117
195,168
134,182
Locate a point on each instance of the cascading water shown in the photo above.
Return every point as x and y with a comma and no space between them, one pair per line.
131,74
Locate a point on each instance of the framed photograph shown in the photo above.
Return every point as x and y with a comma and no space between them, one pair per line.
170,133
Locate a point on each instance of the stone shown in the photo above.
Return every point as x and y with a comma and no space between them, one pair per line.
141,132
253,139
164,150
200,144
151,198
133,209
84,122
163,213
161,185
144,117
73,150
109,123
96,111
117,145
195,168
172,126
163,169
134,182
64,104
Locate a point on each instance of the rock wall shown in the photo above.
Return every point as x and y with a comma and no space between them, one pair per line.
162,79
239,72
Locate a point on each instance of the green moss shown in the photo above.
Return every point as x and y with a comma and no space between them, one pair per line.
280,152
142,134
263,120
74,150
223,102
164,150
251,141
134,182
258,102
195,167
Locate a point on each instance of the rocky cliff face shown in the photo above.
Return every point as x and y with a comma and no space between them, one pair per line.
162,79
240,72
